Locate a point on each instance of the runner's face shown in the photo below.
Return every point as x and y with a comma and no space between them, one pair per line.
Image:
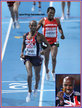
68,86
33,26
51,14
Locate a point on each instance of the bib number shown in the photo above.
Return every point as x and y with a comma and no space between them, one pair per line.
50,32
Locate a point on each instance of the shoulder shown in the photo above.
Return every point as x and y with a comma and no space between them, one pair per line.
24,36
58,21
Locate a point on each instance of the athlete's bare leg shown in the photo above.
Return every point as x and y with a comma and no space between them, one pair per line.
29,74
37,75
46,61
33,7
54,51
15,9
39,6
63,7
68,8
12,13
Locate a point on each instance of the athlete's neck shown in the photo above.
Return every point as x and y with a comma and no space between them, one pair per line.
32,33
50,19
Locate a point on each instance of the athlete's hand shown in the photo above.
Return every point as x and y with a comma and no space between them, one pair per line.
42,52
22,56
60,96
62,37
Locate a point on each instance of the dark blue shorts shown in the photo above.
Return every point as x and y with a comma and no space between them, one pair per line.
35,60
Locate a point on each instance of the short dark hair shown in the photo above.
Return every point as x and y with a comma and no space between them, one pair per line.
50,8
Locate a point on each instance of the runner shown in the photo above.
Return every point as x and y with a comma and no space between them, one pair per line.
68,97
32,58
50,25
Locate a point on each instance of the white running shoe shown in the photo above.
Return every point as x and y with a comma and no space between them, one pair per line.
17,25
33,8
35,92
62,18
53,76
13,25
28,98
47,76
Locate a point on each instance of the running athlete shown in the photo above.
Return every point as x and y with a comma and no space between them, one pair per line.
32,47
13,7
49,25
68,97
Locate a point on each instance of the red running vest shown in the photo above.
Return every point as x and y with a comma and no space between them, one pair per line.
50,30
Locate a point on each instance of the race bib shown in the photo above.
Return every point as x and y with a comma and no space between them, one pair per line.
50,32
31,51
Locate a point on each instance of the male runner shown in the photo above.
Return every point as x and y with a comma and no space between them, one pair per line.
32,58
68,97
49,25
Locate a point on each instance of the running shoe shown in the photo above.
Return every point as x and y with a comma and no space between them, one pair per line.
62,18
13,25
28,98
47,76
35,92
53,76
33,8
17,25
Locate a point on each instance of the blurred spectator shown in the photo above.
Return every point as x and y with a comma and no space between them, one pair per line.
13,7
39,6
68,10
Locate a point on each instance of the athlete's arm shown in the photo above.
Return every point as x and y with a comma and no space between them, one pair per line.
43,39
40,24
60,28
23,47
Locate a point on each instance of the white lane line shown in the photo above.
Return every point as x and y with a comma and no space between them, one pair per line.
6,40
42,85
22,81
18,91
42,82
13,81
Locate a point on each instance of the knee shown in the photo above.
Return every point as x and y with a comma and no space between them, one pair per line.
29,75
54,59
38,77
46,59
15,10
